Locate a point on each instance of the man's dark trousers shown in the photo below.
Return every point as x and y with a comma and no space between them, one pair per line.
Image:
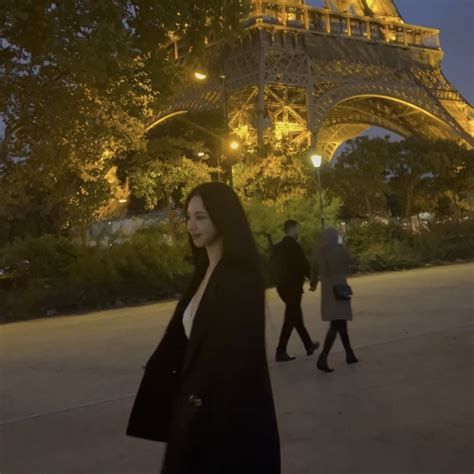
292,297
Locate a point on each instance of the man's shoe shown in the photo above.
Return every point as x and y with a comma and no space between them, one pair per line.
322,364
311,350
351,358
285,357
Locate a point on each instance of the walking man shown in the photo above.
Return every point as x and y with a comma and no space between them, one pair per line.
290,267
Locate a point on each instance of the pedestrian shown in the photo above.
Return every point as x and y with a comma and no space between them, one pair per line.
290,268
206,389
331,264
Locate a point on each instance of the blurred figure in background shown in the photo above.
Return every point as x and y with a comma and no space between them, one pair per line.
290,268
331,264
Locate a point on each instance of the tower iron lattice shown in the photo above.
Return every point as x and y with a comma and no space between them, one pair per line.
321,76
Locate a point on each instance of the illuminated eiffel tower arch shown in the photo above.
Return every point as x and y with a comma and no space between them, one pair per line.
324,75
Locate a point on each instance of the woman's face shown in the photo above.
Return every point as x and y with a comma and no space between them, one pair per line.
199,224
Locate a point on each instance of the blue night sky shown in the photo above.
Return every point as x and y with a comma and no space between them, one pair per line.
455,19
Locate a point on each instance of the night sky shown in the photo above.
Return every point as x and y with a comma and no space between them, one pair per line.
455,19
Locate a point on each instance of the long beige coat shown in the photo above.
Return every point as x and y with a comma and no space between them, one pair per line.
331,264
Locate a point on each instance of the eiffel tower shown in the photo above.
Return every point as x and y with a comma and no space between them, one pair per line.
321,76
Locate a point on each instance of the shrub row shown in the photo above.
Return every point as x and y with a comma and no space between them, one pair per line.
53,274
392,247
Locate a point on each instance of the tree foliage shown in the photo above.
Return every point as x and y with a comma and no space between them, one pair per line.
382,178
276,175
81,80
165,172
359,176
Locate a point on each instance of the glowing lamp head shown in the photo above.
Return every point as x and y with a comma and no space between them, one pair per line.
316,160
201,154
200,76
234,145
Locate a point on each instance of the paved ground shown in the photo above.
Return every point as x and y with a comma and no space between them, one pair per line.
68,382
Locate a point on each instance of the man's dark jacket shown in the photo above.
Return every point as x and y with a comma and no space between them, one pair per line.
290,265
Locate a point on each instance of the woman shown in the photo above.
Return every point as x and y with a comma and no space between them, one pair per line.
206,389
331,264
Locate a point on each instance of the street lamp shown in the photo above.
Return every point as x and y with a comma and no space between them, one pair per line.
226,106
200,75
317,162
202,154
233,149
316,159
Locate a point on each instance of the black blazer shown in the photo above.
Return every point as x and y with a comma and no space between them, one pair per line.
210,397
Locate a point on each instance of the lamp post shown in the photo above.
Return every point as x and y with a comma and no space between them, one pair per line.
202,154
317,161
202,76
233,144
226,107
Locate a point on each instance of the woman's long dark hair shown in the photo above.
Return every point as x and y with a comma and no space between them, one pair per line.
228,216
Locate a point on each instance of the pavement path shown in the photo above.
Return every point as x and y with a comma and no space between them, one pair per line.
68,383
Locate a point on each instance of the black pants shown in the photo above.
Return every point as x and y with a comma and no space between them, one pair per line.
293,318
336,326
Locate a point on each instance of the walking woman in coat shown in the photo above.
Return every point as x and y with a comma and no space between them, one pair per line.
332,264
206,389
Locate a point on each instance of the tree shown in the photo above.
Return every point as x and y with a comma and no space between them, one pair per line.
267,220
409,166
405,177
80,82
165,172
452,182
359,177
430,176
276,175
277,183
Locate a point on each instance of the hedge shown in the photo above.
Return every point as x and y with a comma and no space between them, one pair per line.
53,274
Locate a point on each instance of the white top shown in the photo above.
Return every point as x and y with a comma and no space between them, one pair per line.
188,319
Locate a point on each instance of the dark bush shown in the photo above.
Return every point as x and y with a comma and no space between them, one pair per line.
61,276
144,268
380,246
39,257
